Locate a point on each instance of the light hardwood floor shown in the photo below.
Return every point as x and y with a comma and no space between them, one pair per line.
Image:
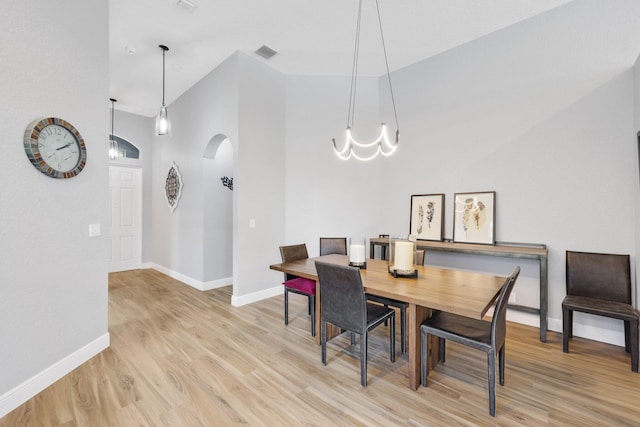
181,357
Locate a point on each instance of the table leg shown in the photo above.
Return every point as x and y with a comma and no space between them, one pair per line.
415,316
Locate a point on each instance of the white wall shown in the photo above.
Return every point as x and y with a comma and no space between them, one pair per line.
636,115
207,109
259,181
326,196
53,304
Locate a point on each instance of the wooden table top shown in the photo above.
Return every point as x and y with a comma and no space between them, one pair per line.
455,291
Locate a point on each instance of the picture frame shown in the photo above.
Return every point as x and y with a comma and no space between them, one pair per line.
426,221
474,217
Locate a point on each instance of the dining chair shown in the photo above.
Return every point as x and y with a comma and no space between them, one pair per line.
333,245
479,334
298,285
400,305
344,305
600,284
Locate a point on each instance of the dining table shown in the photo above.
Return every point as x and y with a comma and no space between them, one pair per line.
461,292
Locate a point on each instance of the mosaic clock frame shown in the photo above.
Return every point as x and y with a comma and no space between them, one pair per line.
55,147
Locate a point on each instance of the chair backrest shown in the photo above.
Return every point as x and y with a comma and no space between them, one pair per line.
333,245
419,257
499,321
342,299
293,253
595,275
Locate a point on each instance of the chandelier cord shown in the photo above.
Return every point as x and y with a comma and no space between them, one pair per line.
354,70
386,61
112,115
163,52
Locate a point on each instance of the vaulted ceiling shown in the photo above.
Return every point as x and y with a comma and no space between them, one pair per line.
311,37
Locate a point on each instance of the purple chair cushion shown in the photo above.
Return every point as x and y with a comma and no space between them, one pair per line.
301,284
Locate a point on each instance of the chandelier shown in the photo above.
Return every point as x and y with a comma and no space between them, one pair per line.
382,144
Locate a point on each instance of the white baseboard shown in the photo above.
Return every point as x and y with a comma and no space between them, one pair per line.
34,385
592,332
237,301
194,283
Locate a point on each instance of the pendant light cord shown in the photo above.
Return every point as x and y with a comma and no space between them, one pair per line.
164,49
386,62
354,69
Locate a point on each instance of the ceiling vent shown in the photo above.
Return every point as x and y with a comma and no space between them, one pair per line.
266,52
187,5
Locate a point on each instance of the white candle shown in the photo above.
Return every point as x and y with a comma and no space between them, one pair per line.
403,256
356,253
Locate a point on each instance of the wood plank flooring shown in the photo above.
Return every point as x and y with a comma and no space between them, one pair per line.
181,357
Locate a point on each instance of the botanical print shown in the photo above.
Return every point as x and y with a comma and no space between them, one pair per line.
426,216
473,217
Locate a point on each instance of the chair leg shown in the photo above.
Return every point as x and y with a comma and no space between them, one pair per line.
363,359
353,338
633,343
312,306
442,347
627,344
424,351
323,341
567,321
309,305
403,329
501,355
286,306
392,338
491,361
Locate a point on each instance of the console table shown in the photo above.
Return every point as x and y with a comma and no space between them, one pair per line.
500,249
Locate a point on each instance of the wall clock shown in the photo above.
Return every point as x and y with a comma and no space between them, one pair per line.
55,147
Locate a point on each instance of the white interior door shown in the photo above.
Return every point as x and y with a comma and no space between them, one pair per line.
125,225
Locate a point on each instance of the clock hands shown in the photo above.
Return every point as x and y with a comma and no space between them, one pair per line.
64,146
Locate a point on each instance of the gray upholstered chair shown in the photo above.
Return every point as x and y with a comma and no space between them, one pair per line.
401,305
333,245
343,304
600,284
298,285
479,334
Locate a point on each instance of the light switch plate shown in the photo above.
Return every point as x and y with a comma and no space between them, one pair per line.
95,230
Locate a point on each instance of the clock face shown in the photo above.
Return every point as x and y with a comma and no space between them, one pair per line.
55,147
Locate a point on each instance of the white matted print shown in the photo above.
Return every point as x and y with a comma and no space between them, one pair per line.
474,217
427,213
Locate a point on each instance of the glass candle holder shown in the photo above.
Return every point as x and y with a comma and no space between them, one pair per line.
402,252
357,252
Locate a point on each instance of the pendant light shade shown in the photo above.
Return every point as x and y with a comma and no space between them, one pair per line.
163,124
113,144
382,144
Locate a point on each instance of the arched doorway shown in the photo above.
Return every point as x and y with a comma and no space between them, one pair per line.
218,212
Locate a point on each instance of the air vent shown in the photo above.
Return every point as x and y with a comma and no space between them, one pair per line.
266,52
187,5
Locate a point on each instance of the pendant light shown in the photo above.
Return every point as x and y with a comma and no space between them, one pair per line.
163,125
113,144
382,144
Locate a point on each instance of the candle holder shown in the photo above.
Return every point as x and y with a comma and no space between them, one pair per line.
401,257
357,252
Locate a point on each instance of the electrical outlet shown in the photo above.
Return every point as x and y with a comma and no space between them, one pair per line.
512,298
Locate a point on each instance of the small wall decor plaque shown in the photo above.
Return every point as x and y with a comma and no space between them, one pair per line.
474,217
173,186
227,182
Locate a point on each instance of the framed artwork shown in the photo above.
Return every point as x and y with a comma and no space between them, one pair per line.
474,217
427,212
173,186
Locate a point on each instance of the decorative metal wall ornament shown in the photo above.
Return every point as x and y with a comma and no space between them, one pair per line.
173,186
227,182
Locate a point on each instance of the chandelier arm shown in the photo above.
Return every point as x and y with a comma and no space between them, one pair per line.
386,61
